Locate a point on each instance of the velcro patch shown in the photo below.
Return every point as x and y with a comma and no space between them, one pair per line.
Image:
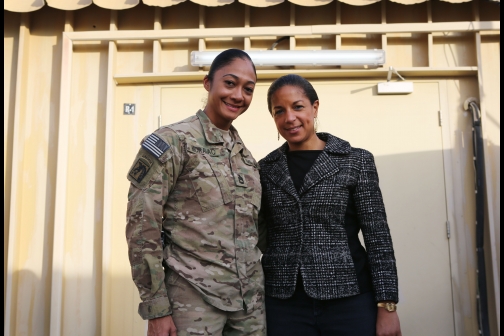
155,145
140,168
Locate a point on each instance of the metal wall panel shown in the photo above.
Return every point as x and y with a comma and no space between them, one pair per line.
33,174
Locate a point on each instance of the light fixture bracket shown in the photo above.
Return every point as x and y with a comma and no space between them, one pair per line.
389,75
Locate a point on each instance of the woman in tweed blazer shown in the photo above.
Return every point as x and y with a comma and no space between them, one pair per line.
318,192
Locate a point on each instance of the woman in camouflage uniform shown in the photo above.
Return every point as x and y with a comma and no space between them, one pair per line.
197,184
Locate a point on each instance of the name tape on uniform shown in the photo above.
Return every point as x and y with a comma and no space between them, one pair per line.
155,145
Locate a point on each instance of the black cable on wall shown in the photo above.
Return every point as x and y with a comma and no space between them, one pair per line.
479,166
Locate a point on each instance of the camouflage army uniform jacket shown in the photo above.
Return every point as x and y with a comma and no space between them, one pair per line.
206,197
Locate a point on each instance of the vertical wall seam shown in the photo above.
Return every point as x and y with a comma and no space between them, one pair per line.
17,151
338,22
383,11
202,23
61,178
61,187
69,21
451,197
292,39
430,50
475,8
430,37
429,11
246,40
384,40
108,181
156,52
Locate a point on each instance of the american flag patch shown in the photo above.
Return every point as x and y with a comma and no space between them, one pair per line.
155,145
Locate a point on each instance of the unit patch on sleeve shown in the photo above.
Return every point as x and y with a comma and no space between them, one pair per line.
140,168
155,145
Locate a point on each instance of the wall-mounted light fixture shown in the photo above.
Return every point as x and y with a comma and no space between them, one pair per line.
374,57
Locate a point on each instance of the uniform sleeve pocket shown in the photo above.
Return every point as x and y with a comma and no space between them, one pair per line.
134,217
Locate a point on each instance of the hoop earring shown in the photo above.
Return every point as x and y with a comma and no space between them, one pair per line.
315,124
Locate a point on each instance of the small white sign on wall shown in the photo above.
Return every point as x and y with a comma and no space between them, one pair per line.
395,87
129,109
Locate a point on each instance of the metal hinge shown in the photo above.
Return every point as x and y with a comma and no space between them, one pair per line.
440,117
448,233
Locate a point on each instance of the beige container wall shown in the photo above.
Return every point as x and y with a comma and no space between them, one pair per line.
97,295
82,269
490,55
11,40
32,168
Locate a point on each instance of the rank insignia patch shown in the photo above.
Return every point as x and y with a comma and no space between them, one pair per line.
155,145
240,180
140,169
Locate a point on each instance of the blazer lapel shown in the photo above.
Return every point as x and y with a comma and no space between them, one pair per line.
323,167
326,164
278,172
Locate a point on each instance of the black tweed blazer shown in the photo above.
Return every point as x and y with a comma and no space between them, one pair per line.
304,231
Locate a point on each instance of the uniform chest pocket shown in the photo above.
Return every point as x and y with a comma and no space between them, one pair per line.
210,186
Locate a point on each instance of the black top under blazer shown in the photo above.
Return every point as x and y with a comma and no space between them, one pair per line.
305,231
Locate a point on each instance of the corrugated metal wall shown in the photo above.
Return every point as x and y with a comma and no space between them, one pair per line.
97,294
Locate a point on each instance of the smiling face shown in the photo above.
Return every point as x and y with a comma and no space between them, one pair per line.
294,118
229,92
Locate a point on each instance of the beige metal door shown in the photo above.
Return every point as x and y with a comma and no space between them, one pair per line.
404,134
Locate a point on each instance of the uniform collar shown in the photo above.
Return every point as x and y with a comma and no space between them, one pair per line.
212,133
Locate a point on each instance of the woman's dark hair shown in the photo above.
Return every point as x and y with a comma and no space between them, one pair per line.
227,57
292,80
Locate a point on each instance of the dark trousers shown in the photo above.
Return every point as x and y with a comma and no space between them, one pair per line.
301,315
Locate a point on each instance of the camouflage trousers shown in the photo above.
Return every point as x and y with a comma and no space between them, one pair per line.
193,316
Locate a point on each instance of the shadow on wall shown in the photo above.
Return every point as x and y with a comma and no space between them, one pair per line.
27,314
80,307
30,311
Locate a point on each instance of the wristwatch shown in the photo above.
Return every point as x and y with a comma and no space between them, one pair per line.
390,306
